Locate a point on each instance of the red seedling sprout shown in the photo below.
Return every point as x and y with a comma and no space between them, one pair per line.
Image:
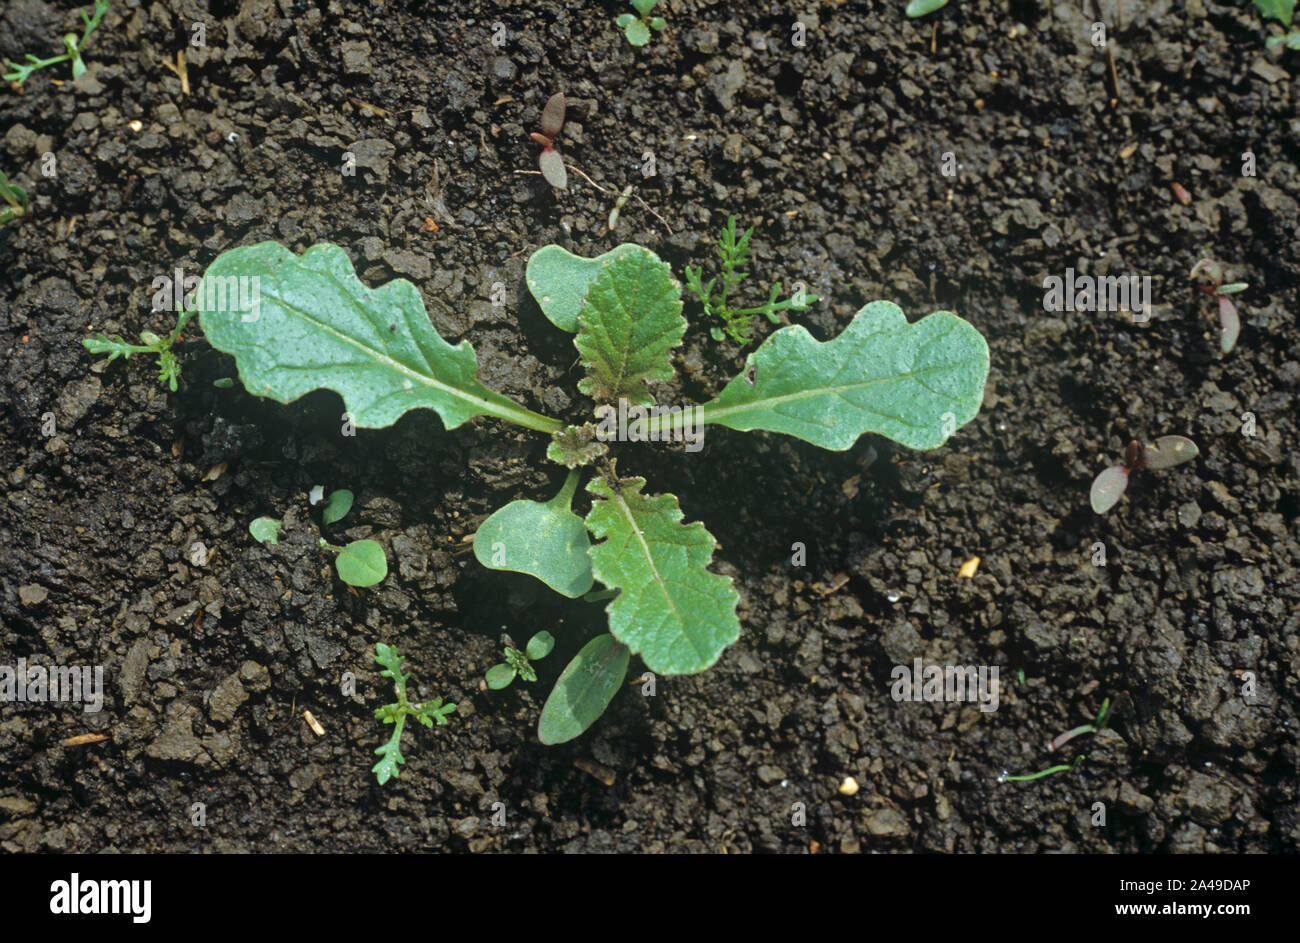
550,162
1169,450
1229,322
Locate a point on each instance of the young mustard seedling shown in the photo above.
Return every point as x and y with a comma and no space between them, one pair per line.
519,663
550,163
74,46
427,713
169,368
16,198
1211,273
320,327
737,323
1169,450
1282,11
637,27
360,563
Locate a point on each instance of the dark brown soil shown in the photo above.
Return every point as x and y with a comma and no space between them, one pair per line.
833,151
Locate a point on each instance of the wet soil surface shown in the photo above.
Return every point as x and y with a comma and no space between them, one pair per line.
124,509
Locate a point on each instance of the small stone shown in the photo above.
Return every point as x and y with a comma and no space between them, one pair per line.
849,787
32,595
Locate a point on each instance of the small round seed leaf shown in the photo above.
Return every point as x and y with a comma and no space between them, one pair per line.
362,563
551,165
553,115
539,646
265,530
340,502
499,676
1107,488
1170,450
1230,323
637,33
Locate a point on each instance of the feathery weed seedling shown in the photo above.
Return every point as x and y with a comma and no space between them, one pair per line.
20,73
738,323
16,198
1169,450
637,27
914,382
427,713
1282,11
519,662
549,162
1229,321
169,368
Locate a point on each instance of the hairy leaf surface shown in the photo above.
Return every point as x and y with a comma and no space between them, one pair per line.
627,329
915,383
315,325
670,609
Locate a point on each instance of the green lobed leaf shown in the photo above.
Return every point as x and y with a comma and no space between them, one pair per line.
265,530
643,6
583,690
575,446
362,563
671,610
315,325
547,541
559,280
631,322
337,506
915,383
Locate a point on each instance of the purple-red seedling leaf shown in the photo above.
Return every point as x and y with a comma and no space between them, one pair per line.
1108,487
553,115
1230,323
1168,451
542,139
552,166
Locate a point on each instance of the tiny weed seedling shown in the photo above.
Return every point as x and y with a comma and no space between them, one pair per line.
520,663
636,27
1061,740
360,563
169,368
1282,11
320,327
1209,276
921,7
1169,450
737,323
20,73
427,713
549,162
15,198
